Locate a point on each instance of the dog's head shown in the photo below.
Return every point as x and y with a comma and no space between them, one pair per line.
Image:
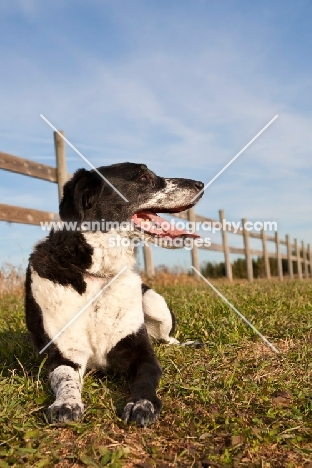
89,197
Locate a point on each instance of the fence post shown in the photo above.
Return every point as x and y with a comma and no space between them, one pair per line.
298,259
226,250
265,255
247,252
194,251
279,258
305,260
289,258
310,258
148,261
61,169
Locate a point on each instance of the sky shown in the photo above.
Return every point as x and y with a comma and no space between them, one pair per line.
181,86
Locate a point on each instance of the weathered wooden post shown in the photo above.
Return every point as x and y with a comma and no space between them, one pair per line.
310,258
289,257
194,251
265,255
61,169
226,249
148,261
305,260
279,258
247,252
298,259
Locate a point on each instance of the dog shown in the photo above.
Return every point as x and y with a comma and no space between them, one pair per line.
70,267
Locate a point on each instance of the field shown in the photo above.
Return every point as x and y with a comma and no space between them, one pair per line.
232,403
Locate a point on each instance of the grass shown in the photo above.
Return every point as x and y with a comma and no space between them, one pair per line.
232,403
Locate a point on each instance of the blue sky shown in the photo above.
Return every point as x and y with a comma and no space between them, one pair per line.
179,85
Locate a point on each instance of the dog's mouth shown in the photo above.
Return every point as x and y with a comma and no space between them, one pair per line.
153,225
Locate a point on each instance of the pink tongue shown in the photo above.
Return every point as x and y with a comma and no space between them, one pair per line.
165,230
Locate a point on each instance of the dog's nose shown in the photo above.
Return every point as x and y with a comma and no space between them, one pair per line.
199,185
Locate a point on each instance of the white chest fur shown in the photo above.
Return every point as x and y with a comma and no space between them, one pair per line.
109,255
116,313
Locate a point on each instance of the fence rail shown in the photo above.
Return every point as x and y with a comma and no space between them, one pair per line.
296,254
58,174
17,214
23,166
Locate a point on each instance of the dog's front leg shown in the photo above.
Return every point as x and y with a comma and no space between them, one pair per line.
159,320
66,383
135,355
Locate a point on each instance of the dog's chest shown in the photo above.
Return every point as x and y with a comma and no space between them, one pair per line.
112,317
99,318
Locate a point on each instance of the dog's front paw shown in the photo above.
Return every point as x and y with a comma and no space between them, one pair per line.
143,412
63,412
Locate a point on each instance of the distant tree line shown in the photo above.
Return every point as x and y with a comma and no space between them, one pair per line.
217,270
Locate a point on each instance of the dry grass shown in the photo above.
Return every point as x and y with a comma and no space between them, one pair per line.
11,280
167,278
233,403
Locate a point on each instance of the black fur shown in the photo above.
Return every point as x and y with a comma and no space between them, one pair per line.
144,288
87,197
62,258
135,356
174,323
34,320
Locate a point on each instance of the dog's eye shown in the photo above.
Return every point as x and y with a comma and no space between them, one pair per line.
147,179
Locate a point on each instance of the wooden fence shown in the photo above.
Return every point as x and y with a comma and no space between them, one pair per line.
58,174
298,254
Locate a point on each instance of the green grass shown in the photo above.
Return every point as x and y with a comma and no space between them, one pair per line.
232,403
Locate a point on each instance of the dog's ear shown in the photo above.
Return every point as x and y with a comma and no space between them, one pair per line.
80,194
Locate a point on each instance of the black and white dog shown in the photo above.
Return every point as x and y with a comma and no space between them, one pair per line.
69,268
